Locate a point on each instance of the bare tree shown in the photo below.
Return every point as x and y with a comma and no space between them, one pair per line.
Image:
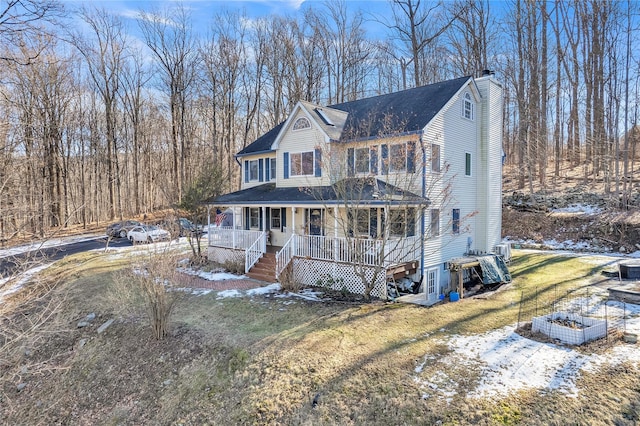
170,39
224,72
472,36
134,77
345,50
104,55
418,25
23,21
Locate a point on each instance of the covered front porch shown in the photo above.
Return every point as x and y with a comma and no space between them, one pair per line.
318,260
321,236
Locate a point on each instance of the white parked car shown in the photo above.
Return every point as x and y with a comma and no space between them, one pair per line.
147,233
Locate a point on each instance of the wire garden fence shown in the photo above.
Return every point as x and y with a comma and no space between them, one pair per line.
577,316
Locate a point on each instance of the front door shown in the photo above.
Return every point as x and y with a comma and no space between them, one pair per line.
315,221
431,284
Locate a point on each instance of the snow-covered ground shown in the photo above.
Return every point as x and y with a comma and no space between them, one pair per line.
509,362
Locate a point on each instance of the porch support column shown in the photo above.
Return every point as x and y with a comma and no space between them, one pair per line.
264,229
335,235
233,234
386,261
293,230
209,224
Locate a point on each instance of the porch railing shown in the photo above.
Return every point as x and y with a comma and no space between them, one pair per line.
284,256
349,250
229,237
255,251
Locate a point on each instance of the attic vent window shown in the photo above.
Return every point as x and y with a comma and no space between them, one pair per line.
301,123
324,117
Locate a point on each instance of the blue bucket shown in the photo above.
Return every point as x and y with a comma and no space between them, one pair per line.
454,296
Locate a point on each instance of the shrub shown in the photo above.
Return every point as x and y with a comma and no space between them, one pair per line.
146,287
287,283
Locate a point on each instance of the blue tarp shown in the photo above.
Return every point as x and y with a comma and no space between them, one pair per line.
494,270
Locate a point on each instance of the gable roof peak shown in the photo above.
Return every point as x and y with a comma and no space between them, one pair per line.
402,112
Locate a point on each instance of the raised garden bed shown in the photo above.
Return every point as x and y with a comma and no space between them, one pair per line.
569,328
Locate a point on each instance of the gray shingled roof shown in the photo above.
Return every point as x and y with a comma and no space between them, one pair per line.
395,113
400,112
263,143
365,191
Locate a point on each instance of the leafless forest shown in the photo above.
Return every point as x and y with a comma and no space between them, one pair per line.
98,124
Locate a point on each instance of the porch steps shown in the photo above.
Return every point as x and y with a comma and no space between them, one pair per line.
265,269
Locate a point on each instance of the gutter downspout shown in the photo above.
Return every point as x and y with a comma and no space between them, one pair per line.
424,195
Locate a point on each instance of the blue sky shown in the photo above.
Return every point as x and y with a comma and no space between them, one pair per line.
203,10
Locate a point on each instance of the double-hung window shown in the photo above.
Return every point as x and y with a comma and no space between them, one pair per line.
455,221
402,223
254,217
435,157
434,229
253,170
276,219
467,108
398,157
362,161
467,164
302,163
272,169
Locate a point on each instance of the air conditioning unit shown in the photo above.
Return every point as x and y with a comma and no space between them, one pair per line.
503,250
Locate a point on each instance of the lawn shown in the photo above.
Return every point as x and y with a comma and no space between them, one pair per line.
277,359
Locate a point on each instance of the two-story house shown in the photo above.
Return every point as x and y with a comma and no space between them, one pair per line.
351,195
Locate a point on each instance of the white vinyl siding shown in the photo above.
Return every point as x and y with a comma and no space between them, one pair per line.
455,136
489,165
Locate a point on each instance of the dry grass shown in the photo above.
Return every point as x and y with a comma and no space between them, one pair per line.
264,360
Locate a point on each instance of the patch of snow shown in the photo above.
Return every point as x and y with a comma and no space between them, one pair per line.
306,294
271,288
584,209
21,280
190,290
228,293
217,275
200,291
509,362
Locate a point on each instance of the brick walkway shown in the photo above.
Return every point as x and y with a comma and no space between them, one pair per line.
239,284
